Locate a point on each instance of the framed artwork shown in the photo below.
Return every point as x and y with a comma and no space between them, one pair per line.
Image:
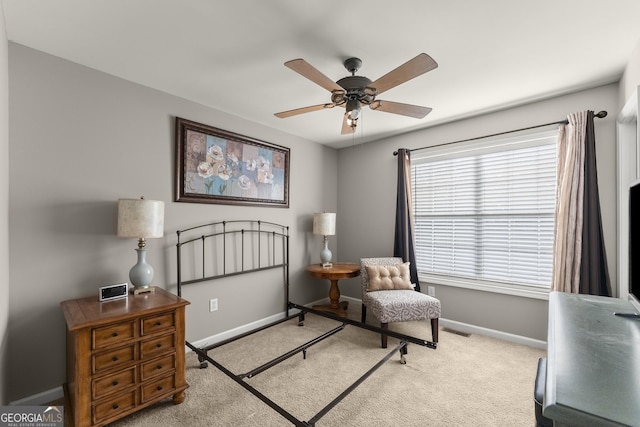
217,166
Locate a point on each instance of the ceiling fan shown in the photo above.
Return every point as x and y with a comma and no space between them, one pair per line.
352,92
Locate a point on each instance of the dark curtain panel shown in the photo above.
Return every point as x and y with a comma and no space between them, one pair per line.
594,275
404,240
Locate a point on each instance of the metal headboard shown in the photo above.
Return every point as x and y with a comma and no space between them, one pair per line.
266,242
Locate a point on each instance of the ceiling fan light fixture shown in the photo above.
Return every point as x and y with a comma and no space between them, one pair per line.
353,109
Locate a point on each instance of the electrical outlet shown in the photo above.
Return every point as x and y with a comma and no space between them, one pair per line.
431,291
213,305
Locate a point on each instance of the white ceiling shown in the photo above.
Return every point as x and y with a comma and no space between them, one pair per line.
229,54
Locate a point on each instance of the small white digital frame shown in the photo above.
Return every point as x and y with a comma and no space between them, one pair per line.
111,292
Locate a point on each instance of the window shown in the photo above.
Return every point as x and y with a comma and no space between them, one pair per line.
484,213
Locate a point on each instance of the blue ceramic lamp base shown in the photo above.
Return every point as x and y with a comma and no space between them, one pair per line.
141,274
325,254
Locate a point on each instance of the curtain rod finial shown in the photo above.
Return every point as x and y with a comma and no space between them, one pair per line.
601,114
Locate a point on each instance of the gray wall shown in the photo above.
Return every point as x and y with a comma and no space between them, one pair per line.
81,139
4,205
367,183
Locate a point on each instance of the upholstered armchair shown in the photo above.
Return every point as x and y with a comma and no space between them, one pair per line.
388,293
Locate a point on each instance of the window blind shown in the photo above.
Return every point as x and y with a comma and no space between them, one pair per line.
486,211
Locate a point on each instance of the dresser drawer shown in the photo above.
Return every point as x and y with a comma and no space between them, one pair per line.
158,323
112,334
114,382
113,406
160,366
113,358
157,346
157,388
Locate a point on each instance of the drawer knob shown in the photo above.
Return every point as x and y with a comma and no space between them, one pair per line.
158,345
114,358
159,388
115,406
159,367
158,323
115,383
115,334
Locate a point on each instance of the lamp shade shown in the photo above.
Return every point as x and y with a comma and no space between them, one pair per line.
140,218
324,224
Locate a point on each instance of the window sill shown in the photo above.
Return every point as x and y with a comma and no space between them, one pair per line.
486,286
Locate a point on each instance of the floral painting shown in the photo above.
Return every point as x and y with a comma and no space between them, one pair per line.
217,166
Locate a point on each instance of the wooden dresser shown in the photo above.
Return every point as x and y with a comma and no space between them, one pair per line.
123,355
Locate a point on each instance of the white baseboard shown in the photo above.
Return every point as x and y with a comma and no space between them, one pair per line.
473,329
41,398
505,336
213,339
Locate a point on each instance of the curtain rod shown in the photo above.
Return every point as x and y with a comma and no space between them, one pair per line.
600,114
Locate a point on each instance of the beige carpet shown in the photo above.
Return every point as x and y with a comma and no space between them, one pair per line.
466,381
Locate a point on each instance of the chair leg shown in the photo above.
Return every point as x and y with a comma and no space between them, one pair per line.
364,313
383,336
434,329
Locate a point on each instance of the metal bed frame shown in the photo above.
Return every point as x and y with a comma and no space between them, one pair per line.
249,240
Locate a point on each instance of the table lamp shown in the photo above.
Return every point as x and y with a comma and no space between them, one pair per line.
142,219
324,224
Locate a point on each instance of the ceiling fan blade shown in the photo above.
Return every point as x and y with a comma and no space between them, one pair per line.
289,113
398,108
346,129
407,71
305,69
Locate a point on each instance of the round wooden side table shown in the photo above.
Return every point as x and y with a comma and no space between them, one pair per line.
339,270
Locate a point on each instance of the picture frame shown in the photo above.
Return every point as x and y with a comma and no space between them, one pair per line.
217,166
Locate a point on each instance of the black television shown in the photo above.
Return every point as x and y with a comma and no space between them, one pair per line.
634,244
